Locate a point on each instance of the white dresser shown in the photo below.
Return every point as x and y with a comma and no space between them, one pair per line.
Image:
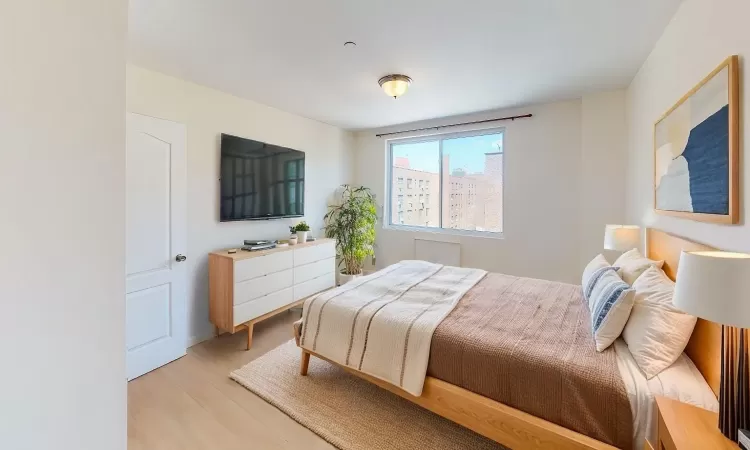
247,287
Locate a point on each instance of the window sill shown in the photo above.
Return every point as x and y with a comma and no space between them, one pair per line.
445,231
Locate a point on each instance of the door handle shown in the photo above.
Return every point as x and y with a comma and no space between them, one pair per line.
180,258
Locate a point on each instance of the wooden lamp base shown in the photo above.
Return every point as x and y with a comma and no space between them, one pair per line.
734,397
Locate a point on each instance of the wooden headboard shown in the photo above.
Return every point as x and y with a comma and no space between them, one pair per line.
704,347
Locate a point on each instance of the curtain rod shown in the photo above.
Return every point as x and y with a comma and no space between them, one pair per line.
524,116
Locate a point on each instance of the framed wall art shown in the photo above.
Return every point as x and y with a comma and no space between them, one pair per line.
696,151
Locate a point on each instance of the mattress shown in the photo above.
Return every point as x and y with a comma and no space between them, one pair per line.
681,381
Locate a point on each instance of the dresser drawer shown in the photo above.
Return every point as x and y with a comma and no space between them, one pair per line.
260,286
258,266
259,306
314,286
314,270
314,253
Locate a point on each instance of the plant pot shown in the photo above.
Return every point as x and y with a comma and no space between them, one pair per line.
302,237
344,278
292,240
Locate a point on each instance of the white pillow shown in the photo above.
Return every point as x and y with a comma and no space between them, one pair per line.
632,264
611,302
656,332
599,262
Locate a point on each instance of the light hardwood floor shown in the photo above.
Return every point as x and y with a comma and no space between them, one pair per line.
191,404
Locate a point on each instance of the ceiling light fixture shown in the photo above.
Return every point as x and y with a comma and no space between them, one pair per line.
395,85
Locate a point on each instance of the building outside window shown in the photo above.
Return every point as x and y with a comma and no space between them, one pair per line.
458,177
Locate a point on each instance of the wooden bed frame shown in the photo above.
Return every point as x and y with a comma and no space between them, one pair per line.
518,430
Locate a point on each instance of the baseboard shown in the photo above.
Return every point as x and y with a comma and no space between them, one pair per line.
195,340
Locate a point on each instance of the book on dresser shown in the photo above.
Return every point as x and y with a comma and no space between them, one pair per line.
247,287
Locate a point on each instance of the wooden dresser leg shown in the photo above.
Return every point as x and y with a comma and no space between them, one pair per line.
304,363
249,335
217,331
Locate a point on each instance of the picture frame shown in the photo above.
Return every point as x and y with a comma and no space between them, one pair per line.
697,151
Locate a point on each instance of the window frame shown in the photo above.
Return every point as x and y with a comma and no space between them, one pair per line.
439,137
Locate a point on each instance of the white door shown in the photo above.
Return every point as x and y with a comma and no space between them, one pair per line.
156,328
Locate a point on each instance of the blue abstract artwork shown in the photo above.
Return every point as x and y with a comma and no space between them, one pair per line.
692,151
707,156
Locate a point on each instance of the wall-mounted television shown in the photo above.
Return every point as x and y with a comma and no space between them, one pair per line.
260,180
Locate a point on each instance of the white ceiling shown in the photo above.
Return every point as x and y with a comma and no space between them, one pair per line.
464,55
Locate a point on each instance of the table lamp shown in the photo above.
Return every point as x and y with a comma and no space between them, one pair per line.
622,237
715,286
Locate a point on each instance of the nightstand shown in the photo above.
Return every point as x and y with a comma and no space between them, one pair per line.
682,427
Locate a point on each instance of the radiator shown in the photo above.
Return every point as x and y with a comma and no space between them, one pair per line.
439,252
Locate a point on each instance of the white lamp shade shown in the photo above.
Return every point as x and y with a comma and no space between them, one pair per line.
715,286
621,237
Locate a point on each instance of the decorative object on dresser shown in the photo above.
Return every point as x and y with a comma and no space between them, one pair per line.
621,238
301,230
697,151
715,286
682,426
247,287
351,223
252,246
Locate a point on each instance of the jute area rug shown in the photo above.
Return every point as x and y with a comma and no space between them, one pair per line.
348,412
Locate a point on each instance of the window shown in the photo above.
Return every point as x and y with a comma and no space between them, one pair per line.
463,172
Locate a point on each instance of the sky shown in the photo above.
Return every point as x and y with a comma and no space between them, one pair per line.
465,153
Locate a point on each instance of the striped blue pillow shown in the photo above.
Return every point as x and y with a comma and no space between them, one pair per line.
589,286
610,302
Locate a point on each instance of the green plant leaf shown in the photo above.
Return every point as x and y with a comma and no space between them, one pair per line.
351,223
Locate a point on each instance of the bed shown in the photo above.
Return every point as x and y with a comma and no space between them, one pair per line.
528,415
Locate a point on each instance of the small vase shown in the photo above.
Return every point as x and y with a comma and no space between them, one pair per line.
302,237
292,240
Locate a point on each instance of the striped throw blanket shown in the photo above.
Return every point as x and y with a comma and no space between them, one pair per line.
382,324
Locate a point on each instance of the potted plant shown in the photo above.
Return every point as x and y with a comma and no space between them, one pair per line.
301,229
352,224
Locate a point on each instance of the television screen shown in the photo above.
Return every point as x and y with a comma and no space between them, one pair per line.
260,181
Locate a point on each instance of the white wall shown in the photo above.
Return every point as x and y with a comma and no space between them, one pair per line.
549,159
700,36
207,113
604,159
62,224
